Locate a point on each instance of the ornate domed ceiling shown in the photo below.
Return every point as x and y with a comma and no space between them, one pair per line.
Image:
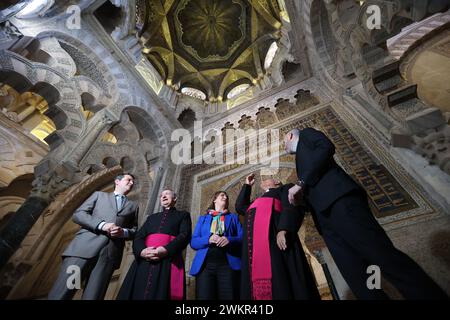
209,45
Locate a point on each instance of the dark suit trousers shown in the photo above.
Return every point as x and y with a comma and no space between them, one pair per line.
356,240
216,280
96,271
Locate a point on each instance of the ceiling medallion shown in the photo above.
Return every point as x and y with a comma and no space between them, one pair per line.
210,30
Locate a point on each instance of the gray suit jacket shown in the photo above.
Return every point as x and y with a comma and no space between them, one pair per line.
89,241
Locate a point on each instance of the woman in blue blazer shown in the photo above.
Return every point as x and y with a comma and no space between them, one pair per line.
217,238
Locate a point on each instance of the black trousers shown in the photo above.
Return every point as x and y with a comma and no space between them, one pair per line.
217,281
356,241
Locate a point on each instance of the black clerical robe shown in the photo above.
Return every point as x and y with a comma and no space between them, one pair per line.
287,274
165,279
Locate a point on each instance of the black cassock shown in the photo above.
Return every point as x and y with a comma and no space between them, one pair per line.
291,276
152,280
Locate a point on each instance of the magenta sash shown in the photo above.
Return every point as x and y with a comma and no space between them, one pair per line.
177,265
261,269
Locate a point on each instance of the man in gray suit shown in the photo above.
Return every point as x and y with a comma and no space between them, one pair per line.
106,220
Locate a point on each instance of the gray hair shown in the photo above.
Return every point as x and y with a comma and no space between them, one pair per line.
295,132
292,143
169,189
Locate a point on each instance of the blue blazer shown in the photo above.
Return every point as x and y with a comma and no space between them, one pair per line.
200,238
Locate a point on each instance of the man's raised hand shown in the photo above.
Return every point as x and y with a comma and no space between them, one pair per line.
250,180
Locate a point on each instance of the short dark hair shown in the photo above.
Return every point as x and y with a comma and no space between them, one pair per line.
120,176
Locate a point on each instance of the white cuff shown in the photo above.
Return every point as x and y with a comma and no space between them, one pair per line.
100,225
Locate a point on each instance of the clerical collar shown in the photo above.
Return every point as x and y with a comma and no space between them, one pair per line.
168,209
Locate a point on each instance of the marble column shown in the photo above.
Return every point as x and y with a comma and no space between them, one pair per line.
18,226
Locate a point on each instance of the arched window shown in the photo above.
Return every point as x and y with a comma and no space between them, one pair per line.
237,90
192,92
270,55
28,109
